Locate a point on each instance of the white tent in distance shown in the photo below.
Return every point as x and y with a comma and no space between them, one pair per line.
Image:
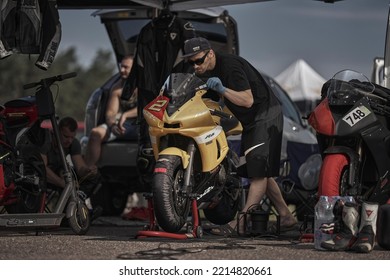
303,84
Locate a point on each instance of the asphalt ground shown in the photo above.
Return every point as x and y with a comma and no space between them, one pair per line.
112,238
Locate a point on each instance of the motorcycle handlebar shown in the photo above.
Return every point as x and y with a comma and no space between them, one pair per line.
51,80
221,114
374,96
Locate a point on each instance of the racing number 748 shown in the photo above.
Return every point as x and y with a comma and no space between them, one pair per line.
356,115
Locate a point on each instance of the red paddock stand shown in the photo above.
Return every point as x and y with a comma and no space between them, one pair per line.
152,230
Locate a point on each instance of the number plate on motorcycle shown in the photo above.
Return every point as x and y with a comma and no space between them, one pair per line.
356,115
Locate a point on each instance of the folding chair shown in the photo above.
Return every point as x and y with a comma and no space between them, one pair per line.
299,186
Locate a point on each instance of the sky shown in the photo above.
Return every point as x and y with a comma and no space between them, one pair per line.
272,35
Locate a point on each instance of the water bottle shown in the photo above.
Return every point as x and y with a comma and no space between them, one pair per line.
349,199
323,218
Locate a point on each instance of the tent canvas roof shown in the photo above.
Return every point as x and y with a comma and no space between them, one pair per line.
301,81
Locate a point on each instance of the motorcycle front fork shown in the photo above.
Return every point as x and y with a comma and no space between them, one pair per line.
188,172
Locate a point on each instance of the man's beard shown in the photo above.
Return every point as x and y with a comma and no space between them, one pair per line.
199,72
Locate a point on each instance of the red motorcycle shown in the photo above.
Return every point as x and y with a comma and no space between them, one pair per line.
352,125
22,171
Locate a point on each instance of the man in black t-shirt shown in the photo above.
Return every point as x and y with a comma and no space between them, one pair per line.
71,145
88,178
246,94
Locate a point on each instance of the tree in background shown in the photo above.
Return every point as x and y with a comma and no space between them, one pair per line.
72,95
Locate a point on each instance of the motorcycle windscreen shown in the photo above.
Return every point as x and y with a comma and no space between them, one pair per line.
179,88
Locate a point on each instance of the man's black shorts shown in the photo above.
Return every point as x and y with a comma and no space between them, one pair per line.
261,148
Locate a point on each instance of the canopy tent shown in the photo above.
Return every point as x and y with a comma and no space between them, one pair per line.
302,84
301,81
172,5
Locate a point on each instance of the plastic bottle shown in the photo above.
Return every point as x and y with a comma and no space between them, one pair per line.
350,199
323,217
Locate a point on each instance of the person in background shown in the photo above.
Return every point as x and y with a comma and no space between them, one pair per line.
121,123
120,118
88,178
247,96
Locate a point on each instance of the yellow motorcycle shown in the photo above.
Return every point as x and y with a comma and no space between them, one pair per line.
188,134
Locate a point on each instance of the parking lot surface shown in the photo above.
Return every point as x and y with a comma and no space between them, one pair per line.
111,238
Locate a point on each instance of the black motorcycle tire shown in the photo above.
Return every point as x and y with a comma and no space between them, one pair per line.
29,200
333,175
79,220
170,206
224,211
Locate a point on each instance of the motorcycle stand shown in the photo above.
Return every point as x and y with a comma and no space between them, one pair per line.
152,230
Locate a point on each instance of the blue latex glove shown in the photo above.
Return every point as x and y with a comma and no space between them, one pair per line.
215,83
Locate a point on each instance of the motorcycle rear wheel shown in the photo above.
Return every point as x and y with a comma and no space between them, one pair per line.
333,175
170,205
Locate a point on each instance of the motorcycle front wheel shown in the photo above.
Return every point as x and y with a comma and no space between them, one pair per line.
171,206
333,175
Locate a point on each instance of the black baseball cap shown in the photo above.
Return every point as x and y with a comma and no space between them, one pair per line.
195,45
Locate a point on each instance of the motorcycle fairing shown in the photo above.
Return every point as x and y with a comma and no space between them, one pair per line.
21,112
374,139
321,119
356,115
356,119
190,120
212,152
208,136
157,106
